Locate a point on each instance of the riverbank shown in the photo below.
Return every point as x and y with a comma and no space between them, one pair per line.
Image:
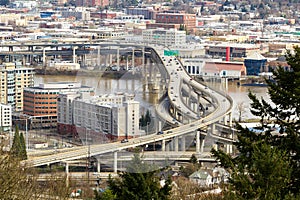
90,73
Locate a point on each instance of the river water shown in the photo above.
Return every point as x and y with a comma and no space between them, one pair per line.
148,100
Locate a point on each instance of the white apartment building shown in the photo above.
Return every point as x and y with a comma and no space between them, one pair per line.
5,117
161,36
14,78
115,115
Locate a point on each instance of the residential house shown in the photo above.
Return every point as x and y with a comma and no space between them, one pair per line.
202,177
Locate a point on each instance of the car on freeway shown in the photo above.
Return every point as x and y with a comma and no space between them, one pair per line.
124,140
169,132
160,132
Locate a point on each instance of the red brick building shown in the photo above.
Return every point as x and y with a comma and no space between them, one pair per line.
175,20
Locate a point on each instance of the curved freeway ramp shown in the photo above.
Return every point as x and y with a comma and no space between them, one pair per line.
223,106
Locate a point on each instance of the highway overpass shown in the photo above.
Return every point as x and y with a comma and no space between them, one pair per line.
178,77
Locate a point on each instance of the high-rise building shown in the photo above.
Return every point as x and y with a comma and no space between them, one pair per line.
14,78
5,117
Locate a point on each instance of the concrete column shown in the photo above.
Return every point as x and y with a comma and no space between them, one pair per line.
110,59
133,59
44,57
225,120
159,125
67,174
83,59
163,145
176,143
98,166
198,103
143,57
98,56
167,147
230,119
24,60
190,94
183,143
197,141
115,161
106,60
227,149
213,127
67,168
202,144
118,58
74,54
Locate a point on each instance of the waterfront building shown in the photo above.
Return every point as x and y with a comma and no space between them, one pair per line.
14,78
194,65
5,117
164,37
255,64
40,102
223,69
233,50
104,117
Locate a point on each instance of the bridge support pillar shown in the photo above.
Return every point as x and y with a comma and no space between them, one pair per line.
202,144
106,60
98,56
67,168
163,145
176,143
133,58
229,148
159,125
143,56
230,119
190,96
118,58
225,120
197,141
183,143
74,54
168,146
67,174
98,166
115,161
83,60
110,59
24,60
212,127
44,57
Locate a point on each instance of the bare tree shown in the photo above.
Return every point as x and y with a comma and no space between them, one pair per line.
16,181
241,108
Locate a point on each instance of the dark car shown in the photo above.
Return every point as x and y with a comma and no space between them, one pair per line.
160,132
